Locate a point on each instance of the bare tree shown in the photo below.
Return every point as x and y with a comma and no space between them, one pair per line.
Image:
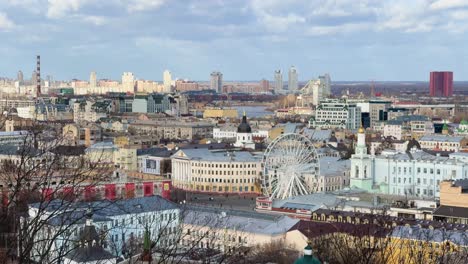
192,236
34,173
274,252
378,239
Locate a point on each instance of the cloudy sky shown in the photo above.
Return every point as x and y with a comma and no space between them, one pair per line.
245,39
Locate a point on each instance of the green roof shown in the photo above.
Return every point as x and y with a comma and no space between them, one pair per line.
308,258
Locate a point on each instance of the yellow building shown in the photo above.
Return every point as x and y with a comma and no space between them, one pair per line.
203,170
122,141
275,132
126,159
347,238
413,245
220,113
453,202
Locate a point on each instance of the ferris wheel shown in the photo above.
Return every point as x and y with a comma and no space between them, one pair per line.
290,161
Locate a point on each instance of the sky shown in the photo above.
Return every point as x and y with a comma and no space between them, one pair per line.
352,40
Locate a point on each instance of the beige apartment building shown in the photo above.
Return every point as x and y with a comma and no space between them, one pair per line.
206,171
174,129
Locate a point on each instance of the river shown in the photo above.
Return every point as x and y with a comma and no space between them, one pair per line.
253,111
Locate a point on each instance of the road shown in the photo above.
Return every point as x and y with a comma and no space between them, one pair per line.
245,203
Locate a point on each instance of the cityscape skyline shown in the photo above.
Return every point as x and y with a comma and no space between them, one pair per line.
352,40
221,131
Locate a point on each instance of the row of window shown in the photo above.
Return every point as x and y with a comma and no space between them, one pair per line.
199,234
229,172
207,188
439,143
225,166
418,181
419,192
198,179
418,170
143,219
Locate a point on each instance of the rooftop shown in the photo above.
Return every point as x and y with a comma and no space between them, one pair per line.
102,210
421,155
452,211
239,220
457,237
441,138
339,199
316,134
94,254
13,133
218,156
102,145
333,166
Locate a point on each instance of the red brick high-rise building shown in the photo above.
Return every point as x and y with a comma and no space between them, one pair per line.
441,84
265,85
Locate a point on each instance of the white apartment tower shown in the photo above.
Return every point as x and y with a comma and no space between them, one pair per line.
20,77
293,79
216,82
167,81
278,81
128,82
92,80
321,89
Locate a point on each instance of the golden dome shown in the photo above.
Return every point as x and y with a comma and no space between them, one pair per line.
361,130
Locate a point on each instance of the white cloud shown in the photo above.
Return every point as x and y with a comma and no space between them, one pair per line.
95,20
447,4
343,28
459,14
32,6
341,8
280,23
275,15
5,23
144,5
405,16
62,8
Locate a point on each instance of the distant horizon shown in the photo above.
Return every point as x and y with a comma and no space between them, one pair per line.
244,39
245,81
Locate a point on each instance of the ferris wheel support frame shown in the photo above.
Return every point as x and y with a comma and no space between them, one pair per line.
286,161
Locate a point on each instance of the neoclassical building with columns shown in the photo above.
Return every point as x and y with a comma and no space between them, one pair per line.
414,172
216,171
